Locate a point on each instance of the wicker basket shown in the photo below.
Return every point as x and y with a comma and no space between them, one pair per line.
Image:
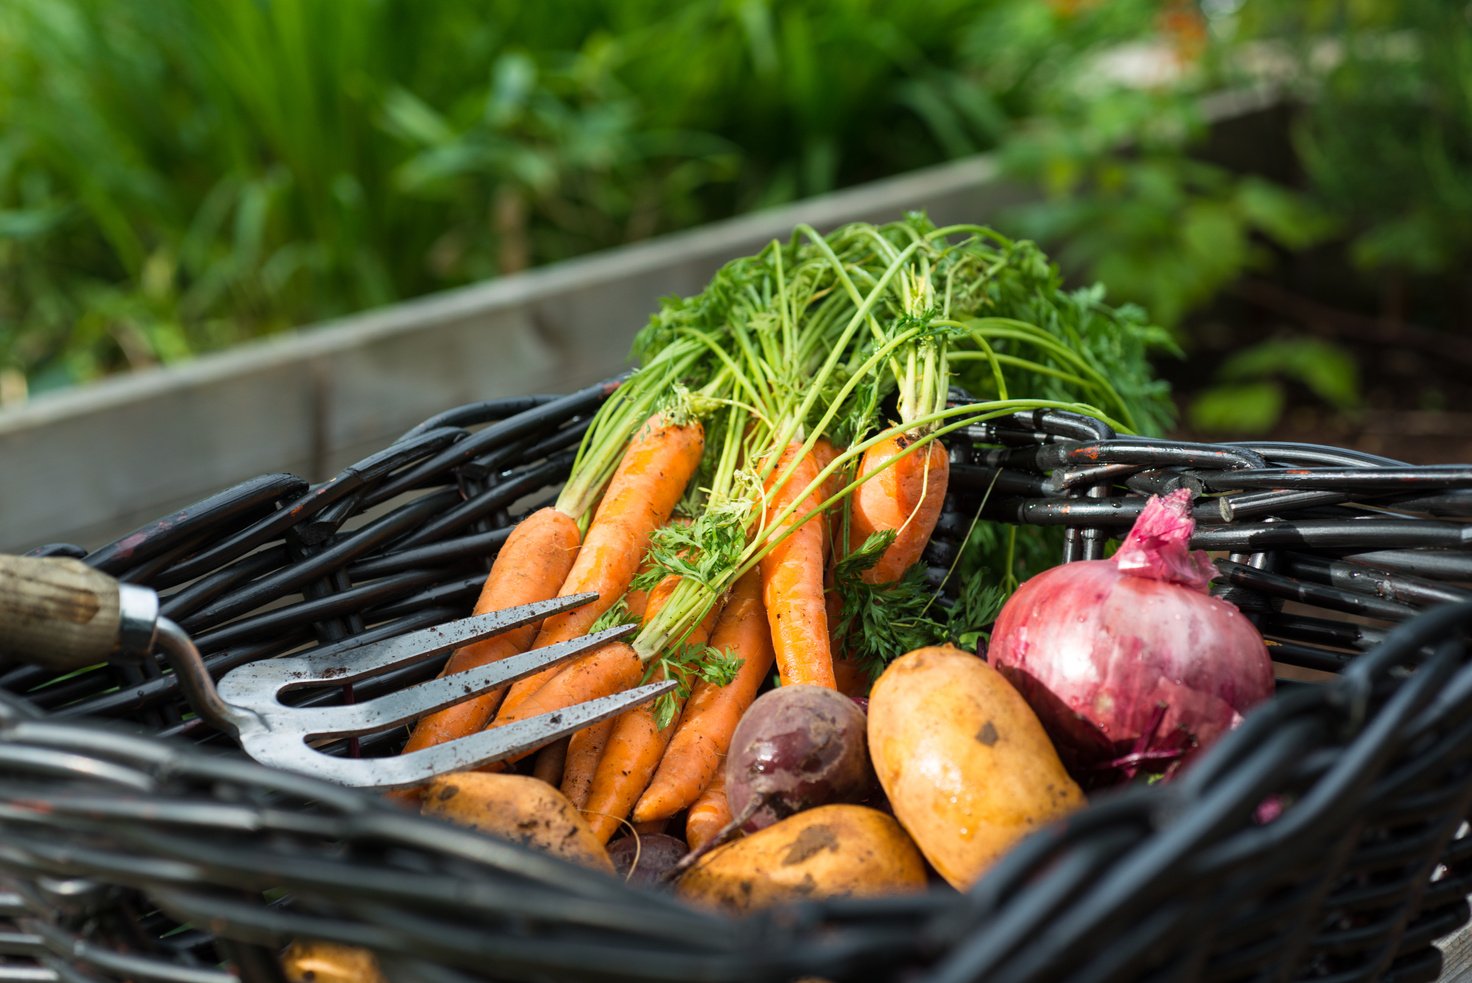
1323,839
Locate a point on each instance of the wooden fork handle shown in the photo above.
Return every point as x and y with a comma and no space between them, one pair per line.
61,613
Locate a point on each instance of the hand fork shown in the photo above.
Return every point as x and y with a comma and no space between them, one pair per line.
66,615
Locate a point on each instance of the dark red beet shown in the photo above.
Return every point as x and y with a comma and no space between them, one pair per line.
647,858
795,748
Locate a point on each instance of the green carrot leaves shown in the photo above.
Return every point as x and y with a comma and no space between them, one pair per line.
837,336
614,617
685,664
880,622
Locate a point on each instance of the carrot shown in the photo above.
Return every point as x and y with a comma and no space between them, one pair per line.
823,454
600,675
792,580
659,595
532,564
850,675
637,601
634,749
652,827
699,744
649,481
550,762
586,746
906,496
610,668
710,814
583,751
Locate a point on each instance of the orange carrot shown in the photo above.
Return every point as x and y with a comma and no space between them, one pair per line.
585,747
906,496
852,678
823,454
649,481
792,580
637,601
583,751
531,566
710,814
610,668
651,827
659,595
550,762
634,749
699,744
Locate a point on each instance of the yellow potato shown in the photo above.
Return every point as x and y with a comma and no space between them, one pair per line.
329,962
518,808
830,851
967,767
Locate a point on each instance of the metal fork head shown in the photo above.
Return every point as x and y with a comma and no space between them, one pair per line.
247,700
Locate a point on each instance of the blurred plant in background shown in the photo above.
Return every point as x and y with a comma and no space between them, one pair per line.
1387,138
1128,201
1130,204
1383,144
177,176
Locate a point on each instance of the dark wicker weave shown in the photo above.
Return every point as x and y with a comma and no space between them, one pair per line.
1321,840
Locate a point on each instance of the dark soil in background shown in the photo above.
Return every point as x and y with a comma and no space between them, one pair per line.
1411,338
1415,382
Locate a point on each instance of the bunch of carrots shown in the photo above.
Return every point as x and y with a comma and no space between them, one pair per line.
782,434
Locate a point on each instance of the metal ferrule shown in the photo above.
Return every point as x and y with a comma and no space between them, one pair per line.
137,620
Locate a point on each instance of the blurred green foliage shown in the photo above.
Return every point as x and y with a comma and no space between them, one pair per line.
178,175
1383,136
1251,392
1154,222
1386,139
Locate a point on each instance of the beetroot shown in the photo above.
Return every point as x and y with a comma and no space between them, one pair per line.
1128,662
796,747
646,858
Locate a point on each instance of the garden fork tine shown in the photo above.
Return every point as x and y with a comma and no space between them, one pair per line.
64,614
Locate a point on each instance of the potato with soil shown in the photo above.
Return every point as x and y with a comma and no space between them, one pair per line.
967,767
518,808
830,851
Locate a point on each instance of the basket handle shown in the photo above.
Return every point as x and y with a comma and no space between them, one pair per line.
60,613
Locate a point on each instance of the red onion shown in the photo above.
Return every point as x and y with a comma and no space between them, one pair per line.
1128,662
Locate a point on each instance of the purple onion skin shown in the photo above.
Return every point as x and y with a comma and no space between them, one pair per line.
656,853
797,747
1119,666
